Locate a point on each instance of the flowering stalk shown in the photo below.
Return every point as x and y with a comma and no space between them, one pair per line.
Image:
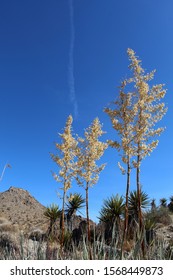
90,150
134,117
122,121
67,165
148,111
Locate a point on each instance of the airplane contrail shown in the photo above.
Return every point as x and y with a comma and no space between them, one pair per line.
71,78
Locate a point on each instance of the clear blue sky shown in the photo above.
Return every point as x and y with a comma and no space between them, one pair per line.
61,57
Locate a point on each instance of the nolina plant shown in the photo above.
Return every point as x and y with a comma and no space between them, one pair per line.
138,109
90,151
122,117
148,111
65,160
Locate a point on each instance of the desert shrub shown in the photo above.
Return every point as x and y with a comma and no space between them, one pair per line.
8,246
7,227
3,220
37,235
159,215
52,250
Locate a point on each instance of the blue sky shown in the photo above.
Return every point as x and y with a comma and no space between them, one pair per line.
61,57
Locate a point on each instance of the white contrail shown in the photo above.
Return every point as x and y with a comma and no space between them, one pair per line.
71,61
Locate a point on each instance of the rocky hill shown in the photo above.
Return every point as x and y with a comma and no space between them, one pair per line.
24,228
22,210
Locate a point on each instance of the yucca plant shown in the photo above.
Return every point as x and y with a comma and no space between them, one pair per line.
163,202
52,212
134,205
75,202
153,204
111,214
170,205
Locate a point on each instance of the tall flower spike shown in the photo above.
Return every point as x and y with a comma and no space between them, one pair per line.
90,150
65,159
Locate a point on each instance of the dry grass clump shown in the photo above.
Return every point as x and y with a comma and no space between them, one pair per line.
3,220
7,226
9,248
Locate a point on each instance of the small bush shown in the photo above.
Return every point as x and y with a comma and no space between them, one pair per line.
37,235
159,215
7,227
3,220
